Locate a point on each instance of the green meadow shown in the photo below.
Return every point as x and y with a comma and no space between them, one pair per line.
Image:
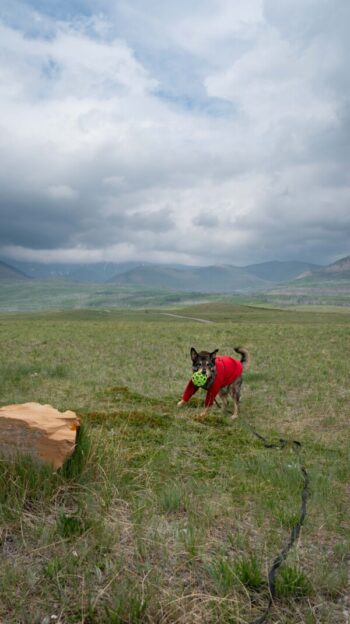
163,515
60,294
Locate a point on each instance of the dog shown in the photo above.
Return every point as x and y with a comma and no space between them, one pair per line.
224,377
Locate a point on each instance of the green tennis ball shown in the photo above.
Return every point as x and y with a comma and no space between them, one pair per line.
199,379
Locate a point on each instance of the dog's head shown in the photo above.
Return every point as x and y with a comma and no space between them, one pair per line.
204,362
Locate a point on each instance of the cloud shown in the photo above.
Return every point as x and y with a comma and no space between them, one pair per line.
138,131
61,191
206,220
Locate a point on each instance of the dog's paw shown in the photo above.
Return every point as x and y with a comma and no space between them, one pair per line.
180,403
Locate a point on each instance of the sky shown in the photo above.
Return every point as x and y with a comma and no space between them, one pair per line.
191,132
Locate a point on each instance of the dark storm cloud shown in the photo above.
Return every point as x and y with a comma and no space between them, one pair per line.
28,220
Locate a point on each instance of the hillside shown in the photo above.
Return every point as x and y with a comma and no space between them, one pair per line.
212,279
60,294
339,269
328,285
9,273
332,276
276,271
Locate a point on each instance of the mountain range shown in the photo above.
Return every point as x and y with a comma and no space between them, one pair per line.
210,279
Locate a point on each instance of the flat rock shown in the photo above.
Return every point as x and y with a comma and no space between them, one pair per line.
40,431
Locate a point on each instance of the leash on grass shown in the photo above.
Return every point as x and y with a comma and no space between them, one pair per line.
296,528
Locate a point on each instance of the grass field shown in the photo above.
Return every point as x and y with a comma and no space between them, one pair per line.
164,516
60,294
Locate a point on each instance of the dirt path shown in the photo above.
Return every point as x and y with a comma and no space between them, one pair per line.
189,318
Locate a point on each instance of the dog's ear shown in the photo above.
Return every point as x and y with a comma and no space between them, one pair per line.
213,354
194,354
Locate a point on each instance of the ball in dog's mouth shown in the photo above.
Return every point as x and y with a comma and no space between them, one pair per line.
199,379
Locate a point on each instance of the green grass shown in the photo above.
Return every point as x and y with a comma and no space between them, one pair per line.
60,294
292,582
163,515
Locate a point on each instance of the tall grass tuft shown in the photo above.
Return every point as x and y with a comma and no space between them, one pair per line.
249,573
73,467
292,582
24,483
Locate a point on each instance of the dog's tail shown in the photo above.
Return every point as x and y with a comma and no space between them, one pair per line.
245,359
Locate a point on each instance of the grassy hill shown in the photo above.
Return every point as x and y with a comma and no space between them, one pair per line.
322,287
30,295
61,294
166,515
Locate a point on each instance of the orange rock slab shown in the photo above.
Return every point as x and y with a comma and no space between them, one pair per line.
40,431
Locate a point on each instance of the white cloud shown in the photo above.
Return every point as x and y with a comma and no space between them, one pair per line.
61,191
275,83
116,144
216,23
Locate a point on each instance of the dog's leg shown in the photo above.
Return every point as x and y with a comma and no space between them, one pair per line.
224,396
224,403
235,408
236,395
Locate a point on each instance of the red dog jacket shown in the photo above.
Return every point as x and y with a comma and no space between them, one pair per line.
227,370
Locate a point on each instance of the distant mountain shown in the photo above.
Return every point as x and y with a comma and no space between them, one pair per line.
92,272
338,269
327,285
8,272
277,271
211,279
98,272
336,272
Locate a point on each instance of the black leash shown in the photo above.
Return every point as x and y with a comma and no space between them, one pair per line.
295,531
282,443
